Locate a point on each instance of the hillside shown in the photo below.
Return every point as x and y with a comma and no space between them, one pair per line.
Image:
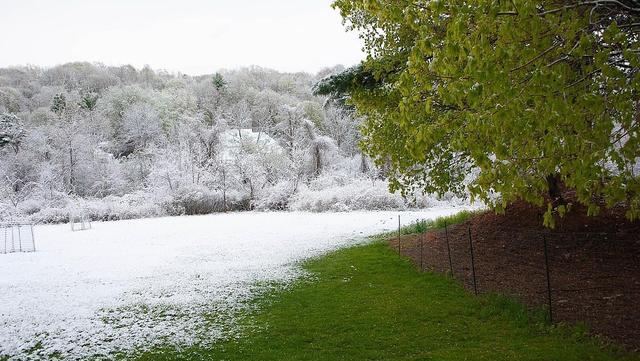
121,142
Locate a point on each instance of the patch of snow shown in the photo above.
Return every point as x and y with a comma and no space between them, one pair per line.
129,285
234,141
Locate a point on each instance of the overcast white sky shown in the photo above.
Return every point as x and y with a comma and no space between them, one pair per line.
191,36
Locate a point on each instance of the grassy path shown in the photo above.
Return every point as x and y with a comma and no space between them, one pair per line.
365,303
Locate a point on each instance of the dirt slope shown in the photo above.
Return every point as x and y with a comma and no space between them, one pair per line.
594,264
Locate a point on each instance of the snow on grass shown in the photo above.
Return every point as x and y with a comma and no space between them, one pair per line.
130,285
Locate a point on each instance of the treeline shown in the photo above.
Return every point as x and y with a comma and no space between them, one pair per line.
118,142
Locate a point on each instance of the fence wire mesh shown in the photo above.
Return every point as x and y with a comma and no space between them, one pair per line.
591,277
16,237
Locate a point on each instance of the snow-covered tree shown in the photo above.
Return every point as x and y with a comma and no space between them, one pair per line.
11,131
241,139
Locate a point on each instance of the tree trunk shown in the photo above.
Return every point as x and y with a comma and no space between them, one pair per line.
364,167
169,180
318,158
71,178
555,191
224,190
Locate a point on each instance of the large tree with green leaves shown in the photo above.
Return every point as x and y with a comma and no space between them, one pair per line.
527,95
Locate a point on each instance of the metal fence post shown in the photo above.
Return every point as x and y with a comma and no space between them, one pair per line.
13,240
446,233
473,264
33,239
422,251
19,238
398,235
546,266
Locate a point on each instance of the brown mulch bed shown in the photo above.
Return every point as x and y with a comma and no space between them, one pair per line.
594,264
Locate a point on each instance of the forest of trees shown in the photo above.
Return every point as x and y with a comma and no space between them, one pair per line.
118,142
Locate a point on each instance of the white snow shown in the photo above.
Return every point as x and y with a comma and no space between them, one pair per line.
128,285
233,140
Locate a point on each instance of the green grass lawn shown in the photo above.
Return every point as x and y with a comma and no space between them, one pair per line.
366,303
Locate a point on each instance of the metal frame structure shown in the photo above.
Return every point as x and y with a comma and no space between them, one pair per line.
12,234
82,220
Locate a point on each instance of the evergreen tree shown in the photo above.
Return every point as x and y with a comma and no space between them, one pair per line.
11,131
89,101
218,82
59,104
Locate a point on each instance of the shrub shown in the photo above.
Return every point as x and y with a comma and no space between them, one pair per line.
357,195
51,215
30,206
194,200
438,223
276,197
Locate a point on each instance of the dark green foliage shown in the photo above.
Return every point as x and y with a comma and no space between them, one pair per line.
338,86
218,82
59,104
89,101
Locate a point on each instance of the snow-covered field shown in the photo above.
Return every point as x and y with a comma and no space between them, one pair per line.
131,284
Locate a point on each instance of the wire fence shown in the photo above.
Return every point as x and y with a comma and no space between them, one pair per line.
591,277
